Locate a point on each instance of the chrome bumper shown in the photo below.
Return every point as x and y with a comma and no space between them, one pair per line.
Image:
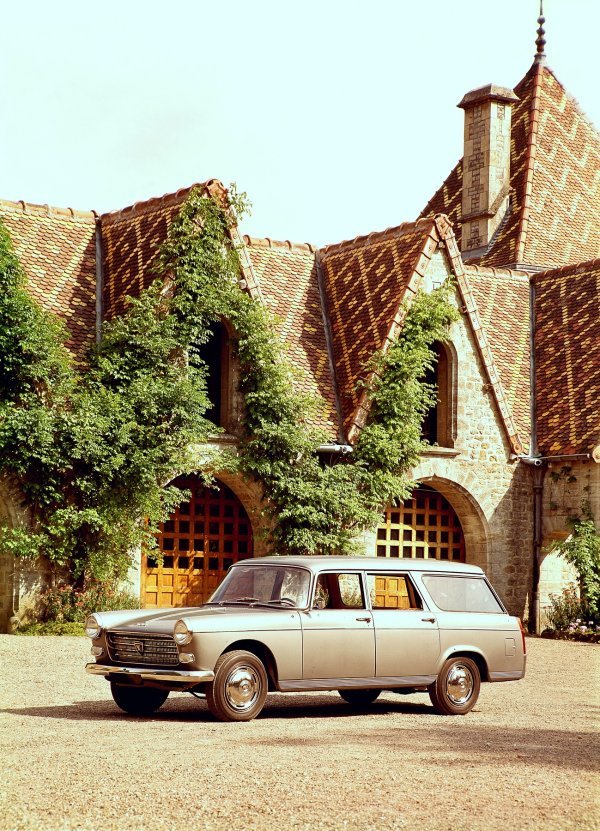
189,677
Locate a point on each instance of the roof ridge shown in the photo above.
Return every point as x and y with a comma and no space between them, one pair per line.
376,236
267,242
534,117
47,210
174,198
572,268
496,271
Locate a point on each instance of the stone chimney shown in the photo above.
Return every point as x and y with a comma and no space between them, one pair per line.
486,164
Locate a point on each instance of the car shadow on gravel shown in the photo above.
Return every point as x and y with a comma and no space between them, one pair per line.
185,709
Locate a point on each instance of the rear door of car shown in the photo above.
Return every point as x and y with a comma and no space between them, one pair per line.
407,639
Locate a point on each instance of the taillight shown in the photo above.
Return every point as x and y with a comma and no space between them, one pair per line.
522,628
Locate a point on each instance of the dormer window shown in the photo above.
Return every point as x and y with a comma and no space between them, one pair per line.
439,424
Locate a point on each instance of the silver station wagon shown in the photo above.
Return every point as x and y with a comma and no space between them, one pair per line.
357,625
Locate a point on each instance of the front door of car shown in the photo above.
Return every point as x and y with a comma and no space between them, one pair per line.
407,640
337,633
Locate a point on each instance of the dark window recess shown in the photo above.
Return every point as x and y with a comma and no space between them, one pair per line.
228,546
381,534
198,527
407,535
198,545
198,563
152,562
228,528
395,534
184,526
242,547
183,562
213,563
227,562
228,510
184,508
381,552
184,544
168,545
213,528
167,562
213,545
429,425
169,527
209,355
213,510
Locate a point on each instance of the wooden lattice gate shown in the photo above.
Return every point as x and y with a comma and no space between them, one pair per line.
199,542
425,526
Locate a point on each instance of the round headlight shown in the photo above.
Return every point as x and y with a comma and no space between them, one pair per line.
181,633
92,627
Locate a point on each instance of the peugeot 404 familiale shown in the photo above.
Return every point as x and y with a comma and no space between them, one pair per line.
357,625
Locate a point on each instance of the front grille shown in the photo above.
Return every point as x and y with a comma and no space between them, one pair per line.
158,650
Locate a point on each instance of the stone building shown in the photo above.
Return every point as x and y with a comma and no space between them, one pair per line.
515,436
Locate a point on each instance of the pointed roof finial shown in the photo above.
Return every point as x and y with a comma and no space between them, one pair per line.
540,42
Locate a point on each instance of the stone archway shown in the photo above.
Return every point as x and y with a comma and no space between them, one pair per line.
441,520
472,518
199,541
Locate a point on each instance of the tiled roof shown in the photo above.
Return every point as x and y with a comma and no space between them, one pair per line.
57,249
567,359
365,281
554,180
502,299
287,277
130,241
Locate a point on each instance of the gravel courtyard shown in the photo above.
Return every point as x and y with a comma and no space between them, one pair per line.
525,758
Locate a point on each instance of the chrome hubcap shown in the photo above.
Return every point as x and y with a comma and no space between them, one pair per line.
459,684
242,688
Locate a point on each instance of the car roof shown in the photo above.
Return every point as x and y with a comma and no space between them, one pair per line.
327,563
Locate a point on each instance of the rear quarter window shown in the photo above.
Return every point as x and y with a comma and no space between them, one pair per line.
461,594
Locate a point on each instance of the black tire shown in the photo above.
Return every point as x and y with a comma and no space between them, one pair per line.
138,701
240,687
456,689
360,698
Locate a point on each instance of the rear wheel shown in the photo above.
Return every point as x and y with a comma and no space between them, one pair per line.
240,687
359,698
456,689
138,701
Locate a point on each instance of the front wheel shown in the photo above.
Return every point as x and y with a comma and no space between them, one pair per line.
359,698
240,687
138,701
456,689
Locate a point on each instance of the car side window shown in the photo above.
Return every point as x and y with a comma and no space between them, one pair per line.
392,591
339,591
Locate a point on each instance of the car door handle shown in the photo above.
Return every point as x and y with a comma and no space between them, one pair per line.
364,619
428,619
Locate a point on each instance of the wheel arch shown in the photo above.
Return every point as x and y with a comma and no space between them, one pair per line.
263,653
468,652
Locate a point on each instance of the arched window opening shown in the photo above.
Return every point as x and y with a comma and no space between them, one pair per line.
439,423
214,355
425,526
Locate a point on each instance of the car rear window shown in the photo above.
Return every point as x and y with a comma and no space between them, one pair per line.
461,594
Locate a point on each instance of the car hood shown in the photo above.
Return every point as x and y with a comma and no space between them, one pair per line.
198,619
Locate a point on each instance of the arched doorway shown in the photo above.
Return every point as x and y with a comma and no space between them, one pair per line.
199,542
425,526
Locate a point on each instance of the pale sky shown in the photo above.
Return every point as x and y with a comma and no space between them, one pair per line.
337,117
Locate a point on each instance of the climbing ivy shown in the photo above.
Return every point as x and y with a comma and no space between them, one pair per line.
92,450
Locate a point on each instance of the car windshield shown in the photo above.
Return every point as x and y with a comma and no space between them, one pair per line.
269,585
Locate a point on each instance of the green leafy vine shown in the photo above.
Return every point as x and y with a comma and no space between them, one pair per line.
93,449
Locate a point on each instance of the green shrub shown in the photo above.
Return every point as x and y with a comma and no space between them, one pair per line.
51,628
64,604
